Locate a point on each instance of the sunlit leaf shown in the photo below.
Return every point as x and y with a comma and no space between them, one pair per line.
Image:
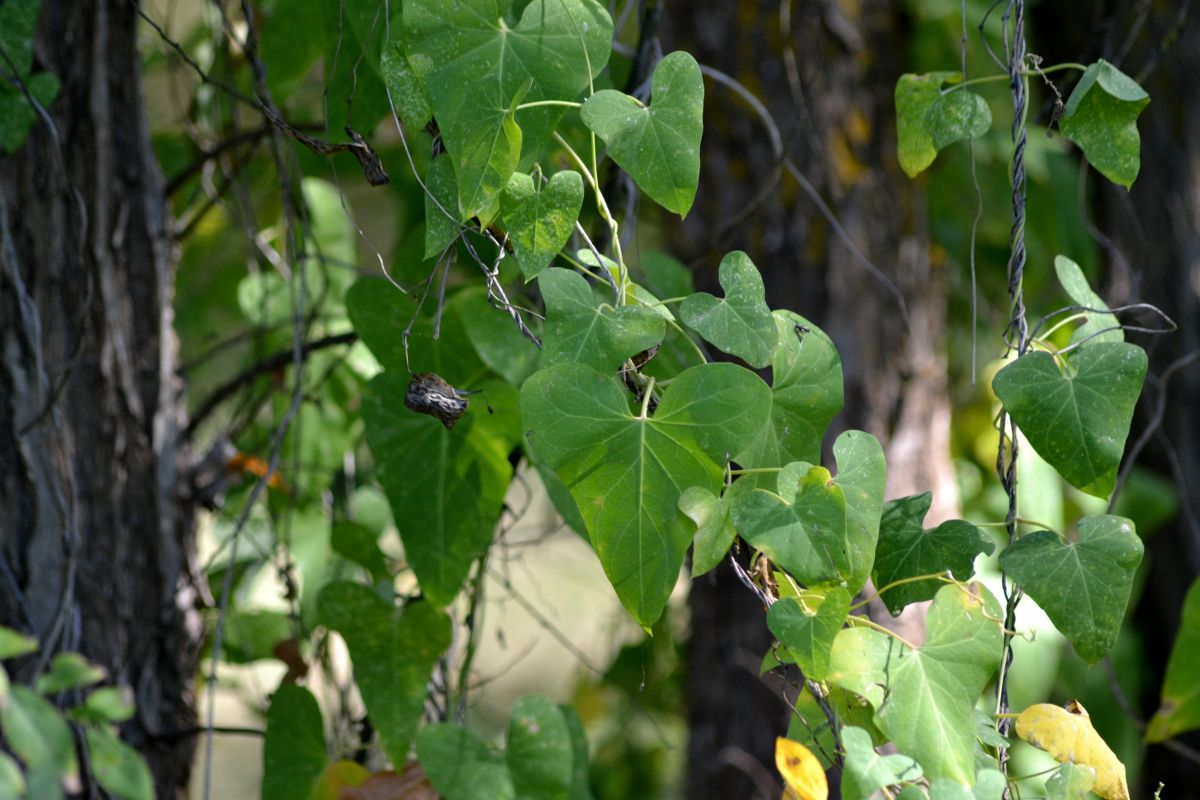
118,768
106,704
1083,586
495,336
1098,326
806,626
393,656
1068,735
659,144
13,643
1077,421
714,530
627,470
1179,710
801,770
928,120
907,550
1070,782
38,735
294,747
12,782
403,87
1101,117
578,331
924,698
866,771
540,219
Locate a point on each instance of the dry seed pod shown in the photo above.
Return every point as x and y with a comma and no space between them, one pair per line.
428,393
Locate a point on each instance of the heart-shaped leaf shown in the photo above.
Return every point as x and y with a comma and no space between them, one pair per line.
294,748
1068,735
907,550
1101,117
714,530
924,698
441,207
1098,326
1179,710
402,85
806,626
580,332
866,772
817,528
393,656
658,145
1077,422
460,766
740,323
475,68
540,219
1082,586
928,120
806,393
627,469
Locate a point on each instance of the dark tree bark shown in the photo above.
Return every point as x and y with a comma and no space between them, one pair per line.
836,118
94,539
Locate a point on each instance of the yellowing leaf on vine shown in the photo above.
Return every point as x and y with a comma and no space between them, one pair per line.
1068,735
801,770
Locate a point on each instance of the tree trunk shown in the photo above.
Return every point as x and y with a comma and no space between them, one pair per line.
836,117
94,537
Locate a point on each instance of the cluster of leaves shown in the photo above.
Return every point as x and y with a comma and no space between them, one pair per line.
18,83
41,736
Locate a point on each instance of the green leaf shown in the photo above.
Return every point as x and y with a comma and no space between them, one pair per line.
13,644
740,323
1101,117
580,332
866,771
403,87
989,784
924,698
119,768
541,751
496,339
359,544
18,24
627,470
393,656
460,766
806,393
1077,422
665,276
37,734
1098,327
927,120
1070,782
294,748
252,635
442,217
16,115
714,530
907,550
474,67
658,145
821,529
444,489
107,704
807,625
69,671
540,218
1179,710
12,782
1082,586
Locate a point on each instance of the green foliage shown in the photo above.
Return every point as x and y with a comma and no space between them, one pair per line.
540,218
1179,710
1098,326
924,697
739,323
627,470
907,550
1070,782
659,144
1083,586
928,119
714,530
1101,117
18,22
294,747
866,772
806,625
117,766
1076,417
578,331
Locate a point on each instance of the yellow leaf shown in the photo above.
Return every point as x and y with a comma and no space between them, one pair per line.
801,770
1068,735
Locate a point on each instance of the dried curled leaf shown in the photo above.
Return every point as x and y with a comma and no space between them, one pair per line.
428,393
801,770
1068,735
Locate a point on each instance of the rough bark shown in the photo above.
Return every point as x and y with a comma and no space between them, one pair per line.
93,538
836,117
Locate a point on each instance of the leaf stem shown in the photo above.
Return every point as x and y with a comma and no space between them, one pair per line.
649,392
755,470
541,103
1004,77
933,576
852,621
689,340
